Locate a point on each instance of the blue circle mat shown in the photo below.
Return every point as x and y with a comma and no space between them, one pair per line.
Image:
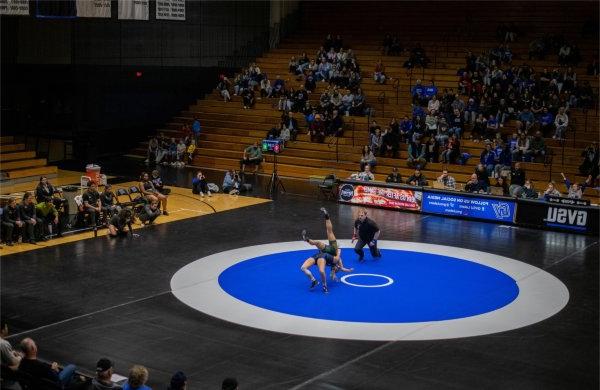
426,287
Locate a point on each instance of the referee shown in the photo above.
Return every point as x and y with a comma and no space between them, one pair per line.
367,232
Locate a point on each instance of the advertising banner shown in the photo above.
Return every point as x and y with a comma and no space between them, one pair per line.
386,197
93,8
14,7
133,9
170,9
467,206
558,216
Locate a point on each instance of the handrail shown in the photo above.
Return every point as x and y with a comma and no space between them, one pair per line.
381,99
409,73
335,140
396,86
353,122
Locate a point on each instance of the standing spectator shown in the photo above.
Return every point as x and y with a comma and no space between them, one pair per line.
366,232
28,215
196,129
138,376
40,371
11,219
252,156
104,372
10,359
560,122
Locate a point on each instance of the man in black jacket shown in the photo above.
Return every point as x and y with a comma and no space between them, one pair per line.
33,224
11,218
366,232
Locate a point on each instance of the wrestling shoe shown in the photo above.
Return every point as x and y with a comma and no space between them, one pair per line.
304,237
314,283
325,289
325,213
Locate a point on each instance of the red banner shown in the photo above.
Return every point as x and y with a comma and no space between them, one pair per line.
386,197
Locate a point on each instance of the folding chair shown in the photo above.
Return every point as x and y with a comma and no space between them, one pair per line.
327,187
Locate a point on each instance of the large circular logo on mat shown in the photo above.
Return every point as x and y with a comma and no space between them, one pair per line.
413,292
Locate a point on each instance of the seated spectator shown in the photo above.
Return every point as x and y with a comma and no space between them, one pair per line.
223,88
231,182
11,221
447,180
560,122
416,154
526,120
152,150
147,189
229,384
178,381
33,224
158,184
108,201
138,376
293,65
550,191
483,176
474,185
417,179
575,190
316,129
358,104
389,143
336,124
196,130
529,191
248,98
456,123
546,121
200,185
379,73
366,174
432,150
491,128
488,159
119,225
537,146
40,371
501,182
451,151
43,190
375,141
433,105
517,180
522,149
394,176
265,88
149,212
471,111
589,165
104,372
181,150
406,129
367,158
418,94
10,359
252,156
48,215
502,159
278,87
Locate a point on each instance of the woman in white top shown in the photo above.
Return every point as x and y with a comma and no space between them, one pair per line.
560,122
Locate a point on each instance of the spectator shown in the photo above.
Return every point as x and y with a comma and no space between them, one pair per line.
416,154
43,190
41,371
178,381
389,143
138,376
502,183
120,224
28,215
196,129
252,156
148,190
149,212
265,88
550,191
108,201
589,166
526,120
229,384
231,182
376,141
158,184
417,179
517,180
488,159
452,150
152,150
529,191
336,125
379,73
366,174
181,150
482,176
447,180
537,146
367,158
11,219
223,88
546,121
10,359
394,176
248,98
575,191
47,214
522,149
474,185
200,185
104,372
317,129
560,122
434,104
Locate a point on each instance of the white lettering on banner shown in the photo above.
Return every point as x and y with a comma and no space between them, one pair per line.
170,9
14,7
566,216
93,8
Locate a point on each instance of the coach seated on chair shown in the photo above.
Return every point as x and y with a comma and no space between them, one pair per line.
91,203
40,371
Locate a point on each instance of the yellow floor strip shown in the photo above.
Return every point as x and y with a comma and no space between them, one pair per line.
182,204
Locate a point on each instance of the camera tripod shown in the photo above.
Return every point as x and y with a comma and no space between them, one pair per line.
275,181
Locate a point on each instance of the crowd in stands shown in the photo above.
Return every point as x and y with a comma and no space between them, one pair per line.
171,151
21,368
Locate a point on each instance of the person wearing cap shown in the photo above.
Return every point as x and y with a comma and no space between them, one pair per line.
104,372
178,381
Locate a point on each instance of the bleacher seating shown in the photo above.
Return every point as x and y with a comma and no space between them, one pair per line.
20,164
227,128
